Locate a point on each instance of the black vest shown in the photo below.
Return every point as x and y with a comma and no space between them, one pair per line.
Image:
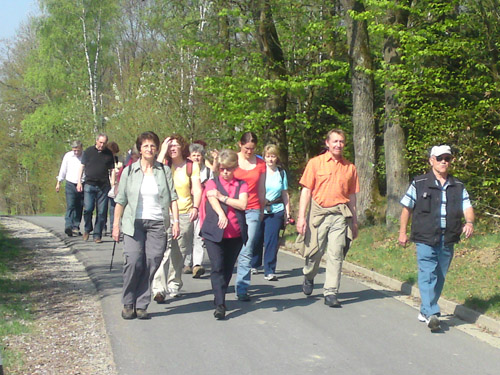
210,230
426,222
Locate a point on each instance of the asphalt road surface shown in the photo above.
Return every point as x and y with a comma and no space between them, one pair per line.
280,331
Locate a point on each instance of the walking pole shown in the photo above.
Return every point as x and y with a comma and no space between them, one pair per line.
112,255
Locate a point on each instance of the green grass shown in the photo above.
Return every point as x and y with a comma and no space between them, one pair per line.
474,275
16,313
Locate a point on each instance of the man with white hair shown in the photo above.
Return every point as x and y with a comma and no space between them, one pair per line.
439,202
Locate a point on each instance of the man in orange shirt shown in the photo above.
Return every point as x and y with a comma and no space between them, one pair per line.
329,187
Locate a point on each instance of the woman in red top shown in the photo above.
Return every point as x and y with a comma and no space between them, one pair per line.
252,170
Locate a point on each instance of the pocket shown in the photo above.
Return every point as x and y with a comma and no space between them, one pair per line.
426,202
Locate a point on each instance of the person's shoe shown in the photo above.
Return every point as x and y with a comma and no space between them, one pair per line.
220,312
187,270
128,312
244,297
254,271
422,318
76,232
69,232
198,271
434,324
174,293
271,277
159,298
332,301
85,236
142,314
98,240
307,286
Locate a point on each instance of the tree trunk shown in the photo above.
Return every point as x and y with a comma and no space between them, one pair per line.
272,52
362,111
396,165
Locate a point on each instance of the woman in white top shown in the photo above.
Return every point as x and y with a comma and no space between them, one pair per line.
145,195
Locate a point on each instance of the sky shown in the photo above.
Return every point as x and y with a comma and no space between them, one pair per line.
13,13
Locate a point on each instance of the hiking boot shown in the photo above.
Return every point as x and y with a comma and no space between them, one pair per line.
98,240
434,324
76,232
332,301
69,232
128,312
85,236
220,312
198,271
244,297
142,314
159,298
307,286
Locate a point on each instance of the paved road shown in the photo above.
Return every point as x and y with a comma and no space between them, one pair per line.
279,332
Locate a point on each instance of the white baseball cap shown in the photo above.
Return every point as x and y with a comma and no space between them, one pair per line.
440,150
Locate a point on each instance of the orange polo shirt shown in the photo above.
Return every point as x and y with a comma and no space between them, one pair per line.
330,181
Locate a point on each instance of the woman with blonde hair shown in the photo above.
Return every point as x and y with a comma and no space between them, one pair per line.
276,213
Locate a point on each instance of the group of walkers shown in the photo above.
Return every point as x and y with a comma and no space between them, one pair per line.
171,205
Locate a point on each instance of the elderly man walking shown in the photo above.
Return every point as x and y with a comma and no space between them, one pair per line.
98,164
68,172
329,186
439,202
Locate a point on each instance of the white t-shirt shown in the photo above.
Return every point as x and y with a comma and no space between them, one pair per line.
149,207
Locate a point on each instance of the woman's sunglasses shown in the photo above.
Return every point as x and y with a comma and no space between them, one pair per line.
222,169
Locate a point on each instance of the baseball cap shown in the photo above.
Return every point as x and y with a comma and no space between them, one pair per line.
440,150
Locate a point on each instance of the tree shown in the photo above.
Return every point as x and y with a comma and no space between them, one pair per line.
362,111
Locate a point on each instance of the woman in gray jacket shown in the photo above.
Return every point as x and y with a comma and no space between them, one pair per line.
145,195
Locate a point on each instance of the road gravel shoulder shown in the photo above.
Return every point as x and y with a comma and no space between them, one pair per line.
68,333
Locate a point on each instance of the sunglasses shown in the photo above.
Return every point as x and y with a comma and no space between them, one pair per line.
446,158
222,169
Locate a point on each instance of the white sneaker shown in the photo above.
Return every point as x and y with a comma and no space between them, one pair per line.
271,277
422,318
254,271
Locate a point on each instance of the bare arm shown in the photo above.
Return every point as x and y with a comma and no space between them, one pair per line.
116,222
405,218
286,202
174,210
468,228
163,150
352,206
213,199
239,204
305,198
79,186
197,191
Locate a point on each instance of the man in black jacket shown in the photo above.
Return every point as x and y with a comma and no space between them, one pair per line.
439,202
98,165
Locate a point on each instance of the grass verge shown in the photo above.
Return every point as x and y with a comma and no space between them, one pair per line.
474,276
16,315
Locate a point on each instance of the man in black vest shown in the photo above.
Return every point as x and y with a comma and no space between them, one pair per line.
439,202
98,164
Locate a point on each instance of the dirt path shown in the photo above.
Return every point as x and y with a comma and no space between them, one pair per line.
69,336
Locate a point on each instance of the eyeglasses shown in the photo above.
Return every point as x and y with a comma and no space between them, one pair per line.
446,158
222,169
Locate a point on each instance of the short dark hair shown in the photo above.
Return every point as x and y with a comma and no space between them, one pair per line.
149,135
248,137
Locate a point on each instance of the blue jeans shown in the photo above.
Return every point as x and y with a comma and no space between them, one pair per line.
246,253
74,206
433,264
270,227
95,196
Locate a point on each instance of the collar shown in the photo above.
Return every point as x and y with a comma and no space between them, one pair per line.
329,157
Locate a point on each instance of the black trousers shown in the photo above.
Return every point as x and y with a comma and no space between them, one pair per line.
222,256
